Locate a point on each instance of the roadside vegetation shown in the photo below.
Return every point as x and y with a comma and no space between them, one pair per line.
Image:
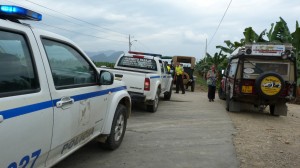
106,64
201,83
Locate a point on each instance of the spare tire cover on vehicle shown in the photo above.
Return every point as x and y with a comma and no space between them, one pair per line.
186,78
269,85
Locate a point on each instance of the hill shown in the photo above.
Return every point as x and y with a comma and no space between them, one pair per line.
105,56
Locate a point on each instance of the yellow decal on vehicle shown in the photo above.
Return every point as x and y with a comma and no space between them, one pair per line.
247,89
270,85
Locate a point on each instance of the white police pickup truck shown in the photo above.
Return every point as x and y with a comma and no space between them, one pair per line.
53,100
146,78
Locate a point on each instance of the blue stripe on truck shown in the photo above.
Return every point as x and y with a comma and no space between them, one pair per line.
15,112
152,77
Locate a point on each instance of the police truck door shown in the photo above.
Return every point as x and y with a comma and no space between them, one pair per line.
80,103
26,113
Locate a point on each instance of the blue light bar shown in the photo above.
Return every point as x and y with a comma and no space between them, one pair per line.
142,53
16,12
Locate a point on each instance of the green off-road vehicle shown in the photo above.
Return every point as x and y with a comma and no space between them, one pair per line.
261,75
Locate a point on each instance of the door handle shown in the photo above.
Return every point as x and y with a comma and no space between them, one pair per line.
64,101
1,118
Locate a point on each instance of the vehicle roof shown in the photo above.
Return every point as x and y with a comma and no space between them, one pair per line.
185,59
144,56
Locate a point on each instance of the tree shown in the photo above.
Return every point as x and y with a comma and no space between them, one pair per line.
250,35
281,32
219,60
296,44
230,47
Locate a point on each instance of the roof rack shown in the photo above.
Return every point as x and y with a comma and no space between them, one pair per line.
266,49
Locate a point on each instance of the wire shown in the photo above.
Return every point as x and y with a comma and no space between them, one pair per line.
143,45
71,30
82,33
75,18
220,22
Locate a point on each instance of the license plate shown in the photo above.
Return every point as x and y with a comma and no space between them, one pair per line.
247,89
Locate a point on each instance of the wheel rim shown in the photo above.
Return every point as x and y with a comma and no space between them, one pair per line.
119,128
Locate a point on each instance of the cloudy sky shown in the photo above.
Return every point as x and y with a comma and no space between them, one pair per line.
168,27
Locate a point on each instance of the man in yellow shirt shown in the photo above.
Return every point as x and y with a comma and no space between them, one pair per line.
168,68
178,75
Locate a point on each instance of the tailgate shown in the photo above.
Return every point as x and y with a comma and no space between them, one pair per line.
133,80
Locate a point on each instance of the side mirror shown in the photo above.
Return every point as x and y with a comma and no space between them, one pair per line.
106,78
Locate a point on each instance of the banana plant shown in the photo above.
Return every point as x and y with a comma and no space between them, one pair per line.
231,46
296,44
280,32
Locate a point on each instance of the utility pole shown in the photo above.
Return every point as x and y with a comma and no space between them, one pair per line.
129,43
205,50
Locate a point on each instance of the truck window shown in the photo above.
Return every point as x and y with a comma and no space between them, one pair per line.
232,70
138,63
162,66
17,74
68,67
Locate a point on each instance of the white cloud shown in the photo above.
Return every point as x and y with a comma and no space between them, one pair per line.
193,37
165,26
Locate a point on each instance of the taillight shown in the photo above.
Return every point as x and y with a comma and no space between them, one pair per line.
147,84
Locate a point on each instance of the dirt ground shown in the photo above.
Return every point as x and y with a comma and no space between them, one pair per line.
265,141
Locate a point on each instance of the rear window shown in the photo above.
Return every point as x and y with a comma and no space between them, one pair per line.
138,63
258,68
280,68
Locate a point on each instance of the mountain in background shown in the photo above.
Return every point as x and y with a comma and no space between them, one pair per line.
110,56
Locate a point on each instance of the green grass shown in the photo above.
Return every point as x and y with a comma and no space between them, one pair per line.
202,83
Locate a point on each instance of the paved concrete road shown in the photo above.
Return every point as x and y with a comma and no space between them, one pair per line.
186,132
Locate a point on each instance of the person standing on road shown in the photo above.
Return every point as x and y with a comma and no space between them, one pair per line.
211,77
168,68
179,80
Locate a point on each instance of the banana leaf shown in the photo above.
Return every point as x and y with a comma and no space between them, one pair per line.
250,35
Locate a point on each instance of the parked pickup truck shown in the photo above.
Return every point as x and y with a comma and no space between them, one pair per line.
146,77
53,100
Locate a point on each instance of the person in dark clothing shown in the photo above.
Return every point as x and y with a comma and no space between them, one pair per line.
211,77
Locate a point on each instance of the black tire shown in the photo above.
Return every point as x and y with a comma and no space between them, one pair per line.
227,102
167,95
269,90
221,94
153,107
193,86
118,128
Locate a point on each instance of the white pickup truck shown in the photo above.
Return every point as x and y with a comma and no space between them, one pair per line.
146,77
53,100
